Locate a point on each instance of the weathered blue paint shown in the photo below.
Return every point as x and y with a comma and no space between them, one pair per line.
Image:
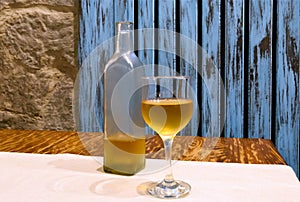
166,20
188,27
234,69
96,22
211,45
260,69
288,82
123,10
146,20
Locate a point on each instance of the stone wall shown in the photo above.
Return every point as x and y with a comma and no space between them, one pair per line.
38,63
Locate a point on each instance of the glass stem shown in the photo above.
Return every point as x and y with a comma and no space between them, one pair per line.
168,155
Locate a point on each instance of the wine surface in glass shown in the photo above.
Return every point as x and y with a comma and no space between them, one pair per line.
167,116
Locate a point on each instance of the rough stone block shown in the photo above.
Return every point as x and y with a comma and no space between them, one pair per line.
38,63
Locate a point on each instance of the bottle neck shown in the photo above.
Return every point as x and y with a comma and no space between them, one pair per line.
124,38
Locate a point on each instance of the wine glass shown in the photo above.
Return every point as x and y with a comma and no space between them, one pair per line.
167,108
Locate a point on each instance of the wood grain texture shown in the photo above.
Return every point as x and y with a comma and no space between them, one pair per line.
260,69
190,148
145,21
123,10
96,28
288,82
146,40
188,59
166,40
211,43
234,69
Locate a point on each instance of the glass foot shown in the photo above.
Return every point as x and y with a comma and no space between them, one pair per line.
173,189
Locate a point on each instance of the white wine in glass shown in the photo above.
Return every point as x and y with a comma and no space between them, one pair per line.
167,108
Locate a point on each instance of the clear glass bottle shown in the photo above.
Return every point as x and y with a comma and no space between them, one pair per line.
124,141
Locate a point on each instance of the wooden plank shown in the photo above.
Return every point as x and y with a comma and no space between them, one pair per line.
235,150
166,40
288,82
87,23
211,43
260,69
145,21
95,29
146,41
146,38
188,14
124,10
234,69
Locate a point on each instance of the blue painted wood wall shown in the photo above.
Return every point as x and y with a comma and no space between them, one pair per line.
255,44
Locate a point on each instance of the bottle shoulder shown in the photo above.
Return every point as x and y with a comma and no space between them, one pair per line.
127,60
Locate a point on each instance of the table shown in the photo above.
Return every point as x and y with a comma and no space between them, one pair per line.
66,166
190,148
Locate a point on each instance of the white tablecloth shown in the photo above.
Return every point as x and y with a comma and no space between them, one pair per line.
68,177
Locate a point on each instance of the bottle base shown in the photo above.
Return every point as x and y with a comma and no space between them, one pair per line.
117,172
